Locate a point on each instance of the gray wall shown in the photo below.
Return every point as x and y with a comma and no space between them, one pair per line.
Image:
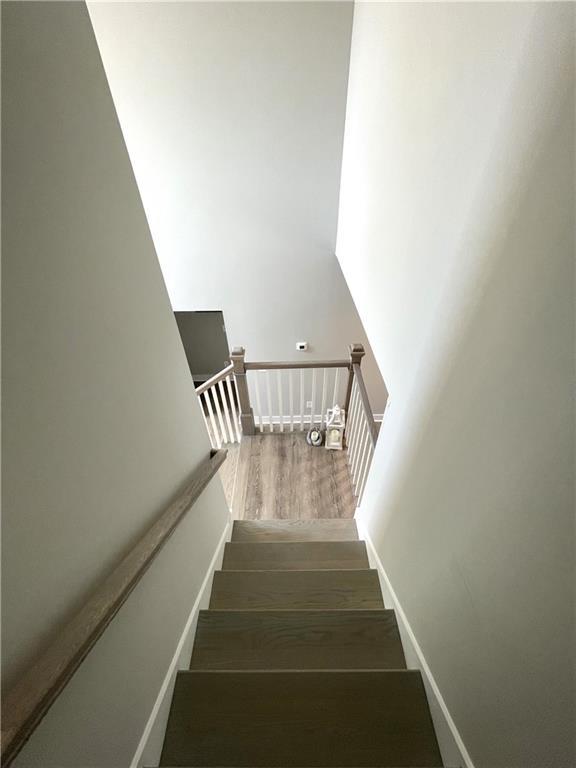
101,426
233,115
456,234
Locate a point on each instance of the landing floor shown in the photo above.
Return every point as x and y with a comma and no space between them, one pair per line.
279,476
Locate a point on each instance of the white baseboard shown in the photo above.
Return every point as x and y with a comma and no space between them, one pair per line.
452,747
150,743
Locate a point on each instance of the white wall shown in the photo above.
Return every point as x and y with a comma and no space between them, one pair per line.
233,115
456,237
100,424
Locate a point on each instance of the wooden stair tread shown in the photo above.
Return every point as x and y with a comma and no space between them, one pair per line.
297,640
304,718
295,555
317,590
295,530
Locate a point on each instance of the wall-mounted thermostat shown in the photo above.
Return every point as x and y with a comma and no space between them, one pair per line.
302,346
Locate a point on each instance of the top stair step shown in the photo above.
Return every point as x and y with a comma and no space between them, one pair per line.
294,530
294,556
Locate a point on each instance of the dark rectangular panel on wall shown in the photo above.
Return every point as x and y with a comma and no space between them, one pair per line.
204,338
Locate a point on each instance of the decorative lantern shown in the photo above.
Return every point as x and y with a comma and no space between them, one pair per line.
335,423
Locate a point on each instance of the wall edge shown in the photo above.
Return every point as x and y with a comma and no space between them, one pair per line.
157,719
450,741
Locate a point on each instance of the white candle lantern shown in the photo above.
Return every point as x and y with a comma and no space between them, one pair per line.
335,424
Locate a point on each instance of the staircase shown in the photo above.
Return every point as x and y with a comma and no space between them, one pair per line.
297,662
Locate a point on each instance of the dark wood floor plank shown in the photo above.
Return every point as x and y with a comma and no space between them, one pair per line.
317,719
297,640
295,555
315,590
294,530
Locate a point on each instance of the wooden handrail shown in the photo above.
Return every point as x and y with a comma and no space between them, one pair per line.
372,428
271,366
215,379
32,696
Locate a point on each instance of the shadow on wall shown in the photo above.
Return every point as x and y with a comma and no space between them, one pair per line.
476,529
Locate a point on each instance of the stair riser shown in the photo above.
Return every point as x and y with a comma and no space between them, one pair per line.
296,590
294,556
294,530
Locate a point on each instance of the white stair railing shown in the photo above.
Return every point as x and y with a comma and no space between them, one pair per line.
292,396
361,433
219,400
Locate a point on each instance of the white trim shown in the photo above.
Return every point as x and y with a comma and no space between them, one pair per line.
451,743
286,419
168,682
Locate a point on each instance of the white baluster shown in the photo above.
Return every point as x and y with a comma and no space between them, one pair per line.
280,404
352,430
291,395
235,385
269,400
366,457
226,412
301,399
313,397
361,454
236,418
214,394
215,437
205,418
356,456
359,425
364,475
258,403
336,382
324,387
358,449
